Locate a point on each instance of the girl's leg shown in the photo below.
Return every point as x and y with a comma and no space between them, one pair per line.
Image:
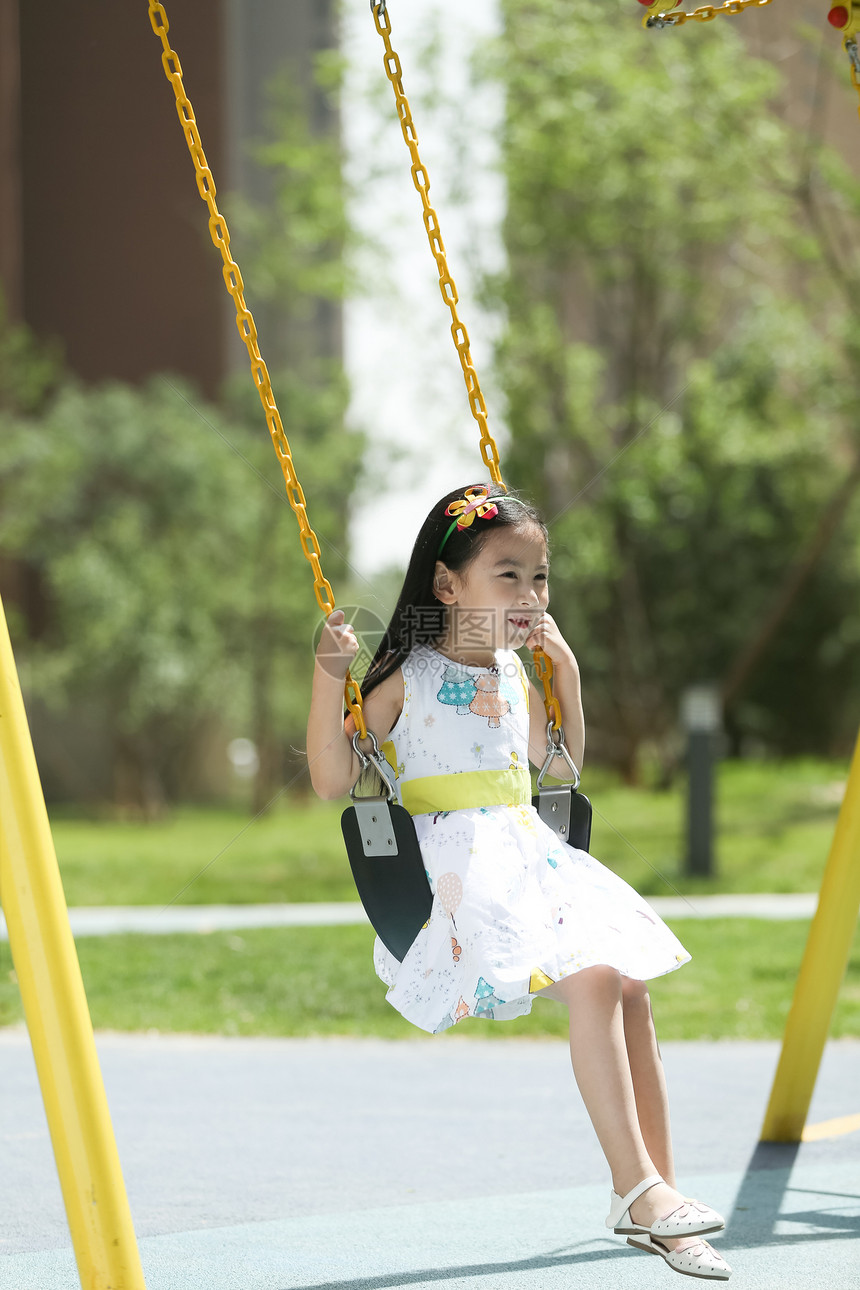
649,1081
604,1074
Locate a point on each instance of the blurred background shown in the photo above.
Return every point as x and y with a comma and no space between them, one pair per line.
655,239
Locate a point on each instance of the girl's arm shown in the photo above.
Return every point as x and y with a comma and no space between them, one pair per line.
332,762
566,688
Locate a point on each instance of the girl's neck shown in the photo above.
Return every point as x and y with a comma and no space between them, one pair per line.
469,655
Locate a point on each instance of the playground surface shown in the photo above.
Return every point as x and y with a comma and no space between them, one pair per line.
348,1164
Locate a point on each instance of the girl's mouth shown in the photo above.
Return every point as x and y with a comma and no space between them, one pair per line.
521,623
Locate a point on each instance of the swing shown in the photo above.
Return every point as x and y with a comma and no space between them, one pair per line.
379,833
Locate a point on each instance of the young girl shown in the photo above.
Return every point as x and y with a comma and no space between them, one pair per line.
516,913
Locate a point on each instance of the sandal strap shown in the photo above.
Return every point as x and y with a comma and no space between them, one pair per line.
621,1204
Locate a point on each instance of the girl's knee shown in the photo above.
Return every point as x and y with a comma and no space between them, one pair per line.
599,979
590,981
633,990
635,997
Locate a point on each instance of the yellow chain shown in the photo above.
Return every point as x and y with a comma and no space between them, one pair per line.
421,180
705,14
247,330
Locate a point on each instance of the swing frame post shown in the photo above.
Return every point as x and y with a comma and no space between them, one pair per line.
55,1008
821,971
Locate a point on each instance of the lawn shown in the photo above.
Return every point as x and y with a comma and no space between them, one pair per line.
775,822
775,825
320,981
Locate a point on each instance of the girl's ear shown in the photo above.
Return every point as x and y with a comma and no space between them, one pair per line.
443,585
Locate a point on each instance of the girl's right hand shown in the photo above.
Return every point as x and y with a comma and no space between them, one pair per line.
337,646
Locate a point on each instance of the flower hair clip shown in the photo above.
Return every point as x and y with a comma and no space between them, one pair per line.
473,502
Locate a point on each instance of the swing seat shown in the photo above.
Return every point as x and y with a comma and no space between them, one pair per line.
388,870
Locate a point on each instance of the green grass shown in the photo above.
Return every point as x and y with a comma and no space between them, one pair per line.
320,981
205,857
775,825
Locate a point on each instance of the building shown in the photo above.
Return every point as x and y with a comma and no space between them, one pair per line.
103,237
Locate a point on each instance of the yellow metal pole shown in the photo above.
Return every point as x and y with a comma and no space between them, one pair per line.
824,961
55,1006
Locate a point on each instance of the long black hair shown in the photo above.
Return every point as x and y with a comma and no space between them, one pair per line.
419,618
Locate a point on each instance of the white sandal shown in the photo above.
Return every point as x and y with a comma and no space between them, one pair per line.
700,1260
690,1218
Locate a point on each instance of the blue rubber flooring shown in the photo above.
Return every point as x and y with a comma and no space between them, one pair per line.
362,1165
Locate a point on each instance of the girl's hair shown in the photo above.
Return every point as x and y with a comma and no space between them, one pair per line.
418,617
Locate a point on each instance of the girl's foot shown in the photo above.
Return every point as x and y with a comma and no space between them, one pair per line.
657,1204
661,1211
692,1257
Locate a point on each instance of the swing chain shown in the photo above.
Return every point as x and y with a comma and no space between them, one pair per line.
544,669
421,180
220,235
706,13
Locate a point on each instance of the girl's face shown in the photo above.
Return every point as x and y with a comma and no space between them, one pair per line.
497,599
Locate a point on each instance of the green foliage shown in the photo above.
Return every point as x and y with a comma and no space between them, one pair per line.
28,370
679,368
110,496
171,572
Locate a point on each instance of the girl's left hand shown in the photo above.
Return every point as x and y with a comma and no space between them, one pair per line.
545,635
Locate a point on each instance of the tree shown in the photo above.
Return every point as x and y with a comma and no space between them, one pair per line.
111,498
670,327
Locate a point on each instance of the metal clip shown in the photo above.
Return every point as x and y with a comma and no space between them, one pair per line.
554,750
554,809
373,813
375,826
378,4
376,759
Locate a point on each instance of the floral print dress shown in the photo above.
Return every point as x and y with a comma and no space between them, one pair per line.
514,908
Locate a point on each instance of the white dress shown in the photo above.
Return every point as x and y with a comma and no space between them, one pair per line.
514,908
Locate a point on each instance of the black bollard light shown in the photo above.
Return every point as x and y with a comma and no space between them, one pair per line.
701,718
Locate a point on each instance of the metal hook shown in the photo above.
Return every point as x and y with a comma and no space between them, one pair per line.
554,750
377,759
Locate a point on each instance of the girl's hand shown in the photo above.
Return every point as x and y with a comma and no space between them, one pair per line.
545,635
337,646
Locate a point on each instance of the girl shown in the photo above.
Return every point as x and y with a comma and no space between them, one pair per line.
516,912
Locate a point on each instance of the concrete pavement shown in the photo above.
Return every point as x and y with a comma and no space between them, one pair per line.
108,920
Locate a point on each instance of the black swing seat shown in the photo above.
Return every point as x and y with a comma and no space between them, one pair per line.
388,870
386,862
